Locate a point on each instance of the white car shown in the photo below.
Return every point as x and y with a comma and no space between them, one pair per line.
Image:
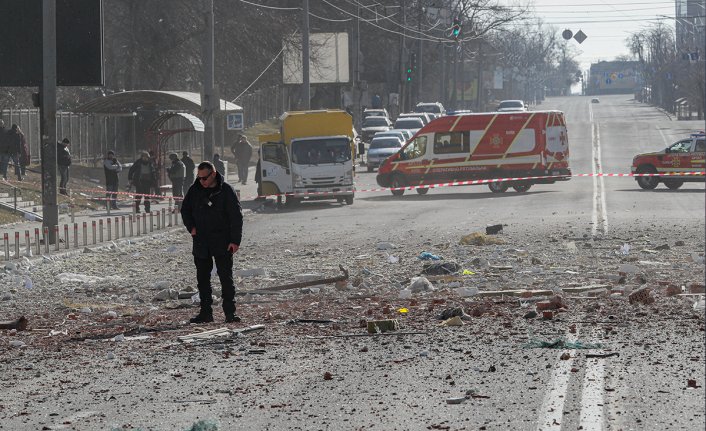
434,108
512,106
382,147
410,123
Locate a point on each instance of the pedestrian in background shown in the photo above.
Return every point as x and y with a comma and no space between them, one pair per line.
158,169
112,168
176,174
258,178
13,148
218,164
63,161
143,175
212,215
25,158
243,154
189,167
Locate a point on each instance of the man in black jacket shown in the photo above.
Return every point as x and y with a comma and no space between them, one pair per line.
143,175
212,215
189,167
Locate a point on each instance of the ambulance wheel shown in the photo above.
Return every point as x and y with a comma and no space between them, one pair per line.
521,188
673,184
498,187
647,183
422,191
349,200
398,181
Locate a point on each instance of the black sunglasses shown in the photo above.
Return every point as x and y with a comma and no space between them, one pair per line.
203,178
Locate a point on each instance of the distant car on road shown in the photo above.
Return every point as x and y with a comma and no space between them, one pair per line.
512,106
595,100
381,148
372,125
410,123
686,155
434,108
369,112
425,117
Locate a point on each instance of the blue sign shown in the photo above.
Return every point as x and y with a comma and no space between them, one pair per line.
620,76
608,81
235,121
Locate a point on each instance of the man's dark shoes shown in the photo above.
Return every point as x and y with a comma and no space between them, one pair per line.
232,318
202,318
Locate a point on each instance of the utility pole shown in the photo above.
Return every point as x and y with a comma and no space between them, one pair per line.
418,72
306,89
209,104
479,86
50,210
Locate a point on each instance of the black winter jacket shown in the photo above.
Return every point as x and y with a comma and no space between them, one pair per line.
216,215
63,156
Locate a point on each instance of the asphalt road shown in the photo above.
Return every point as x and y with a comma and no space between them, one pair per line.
403,381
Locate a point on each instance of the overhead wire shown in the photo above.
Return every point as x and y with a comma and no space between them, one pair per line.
260,75
270,7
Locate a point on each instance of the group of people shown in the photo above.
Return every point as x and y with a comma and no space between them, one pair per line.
13,148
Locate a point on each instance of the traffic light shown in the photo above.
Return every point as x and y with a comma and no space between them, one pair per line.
409,73
456,29
413,60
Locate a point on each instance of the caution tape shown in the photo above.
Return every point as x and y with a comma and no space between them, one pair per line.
383,189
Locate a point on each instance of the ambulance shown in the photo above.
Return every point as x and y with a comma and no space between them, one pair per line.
482,146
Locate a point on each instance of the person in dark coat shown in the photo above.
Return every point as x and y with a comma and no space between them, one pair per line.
212,215
63,161
143,175
13,148
25,157
189,167
176,172
112,168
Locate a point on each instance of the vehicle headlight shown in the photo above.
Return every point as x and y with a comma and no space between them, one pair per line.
298,180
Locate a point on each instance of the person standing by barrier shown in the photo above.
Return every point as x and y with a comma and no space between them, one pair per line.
13,148
176,174
143,175
63,161
25,158
189,167
212,215
243,154
112,167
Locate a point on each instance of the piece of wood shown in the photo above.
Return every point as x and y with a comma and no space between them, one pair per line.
220,332
516,293
298,285
19,324
585,288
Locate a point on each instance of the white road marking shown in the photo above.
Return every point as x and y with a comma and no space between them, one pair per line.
552,410
592,396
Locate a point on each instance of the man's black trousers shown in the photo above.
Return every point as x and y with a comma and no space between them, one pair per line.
224,268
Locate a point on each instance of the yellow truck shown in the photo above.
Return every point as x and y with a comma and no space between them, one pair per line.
310,158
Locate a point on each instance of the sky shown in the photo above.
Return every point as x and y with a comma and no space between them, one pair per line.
606,23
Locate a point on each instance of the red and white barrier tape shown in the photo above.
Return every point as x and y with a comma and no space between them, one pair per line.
132,195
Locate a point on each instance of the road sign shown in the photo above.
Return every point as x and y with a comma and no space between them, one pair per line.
235,121
580,36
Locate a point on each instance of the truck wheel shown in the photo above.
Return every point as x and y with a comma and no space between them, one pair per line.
521,188
673,184
349,200
498,187
398,181
293,201
647,183
370,168
422,191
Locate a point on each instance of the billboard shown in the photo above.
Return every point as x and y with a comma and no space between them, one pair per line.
79,43
328,59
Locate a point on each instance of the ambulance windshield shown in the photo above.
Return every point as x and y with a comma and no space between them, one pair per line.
416,148
321,151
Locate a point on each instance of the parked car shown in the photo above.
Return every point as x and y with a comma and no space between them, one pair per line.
434,108
372,125
425,117
686,155
413,124
595,100
370,112
381,148
394,133
405,132
512,106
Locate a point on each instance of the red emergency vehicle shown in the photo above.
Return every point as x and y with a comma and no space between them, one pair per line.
483,146
685,155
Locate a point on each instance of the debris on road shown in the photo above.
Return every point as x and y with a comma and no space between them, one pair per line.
379,326
560,343
493,229
477,238
19,324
